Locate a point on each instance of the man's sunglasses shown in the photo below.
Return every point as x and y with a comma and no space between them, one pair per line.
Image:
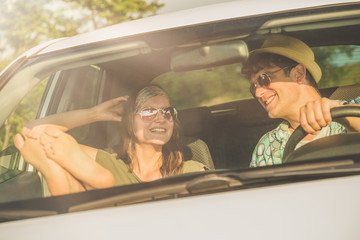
148,114
263,80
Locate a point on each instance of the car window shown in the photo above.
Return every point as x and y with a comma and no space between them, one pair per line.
11,162
76,89
340,65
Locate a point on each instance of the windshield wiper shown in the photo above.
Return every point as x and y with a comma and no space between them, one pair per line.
205,183
303,169
143,195
15,214
212,182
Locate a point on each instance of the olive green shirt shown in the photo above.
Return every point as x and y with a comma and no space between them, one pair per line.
122,173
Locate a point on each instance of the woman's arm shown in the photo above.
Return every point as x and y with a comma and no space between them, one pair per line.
107,111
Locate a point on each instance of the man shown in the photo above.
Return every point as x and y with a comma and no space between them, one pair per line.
284,76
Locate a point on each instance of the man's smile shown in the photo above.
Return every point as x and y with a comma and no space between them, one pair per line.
269,99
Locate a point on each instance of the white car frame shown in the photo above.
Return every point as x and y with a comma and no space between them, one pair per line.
322,206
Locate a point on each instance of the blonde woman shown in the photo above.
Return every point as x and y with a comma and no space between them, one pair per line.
149,150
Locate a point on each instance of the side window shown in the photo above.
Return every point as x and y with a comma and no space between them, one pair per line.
340,65
11,161
64,91
74,89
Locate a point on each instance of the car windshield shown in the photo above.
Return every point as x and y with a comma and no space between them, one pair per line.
204,108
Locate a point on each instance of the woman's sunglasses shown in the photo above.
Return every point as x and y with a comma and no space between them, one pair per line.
263,80
148,114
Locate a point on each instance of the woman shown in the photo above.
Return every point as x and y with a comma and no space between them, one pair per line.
150,147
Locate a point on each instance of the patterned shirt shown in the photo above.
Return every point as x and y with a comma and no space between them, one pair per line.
270,148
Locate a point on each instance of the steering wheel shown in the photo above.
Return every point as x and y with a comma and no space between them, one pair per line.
300,133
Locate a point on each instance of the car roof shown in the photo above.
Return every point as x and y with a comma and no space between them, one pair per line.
179,19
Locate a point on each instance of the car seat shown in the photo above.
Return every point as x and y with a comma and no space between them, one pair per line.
346,92
196,126
196,149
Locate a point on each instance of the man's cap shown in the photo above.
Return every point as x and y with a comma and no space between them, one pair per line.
291,48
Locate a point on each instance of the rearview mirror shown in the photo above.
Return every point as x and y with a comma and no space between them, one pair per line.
210,56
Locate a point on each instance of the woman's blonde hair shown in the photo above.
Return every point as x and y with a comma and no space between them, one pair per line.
172,158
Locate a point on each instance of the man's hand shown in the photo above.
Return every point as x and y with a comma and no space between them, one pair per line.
315,115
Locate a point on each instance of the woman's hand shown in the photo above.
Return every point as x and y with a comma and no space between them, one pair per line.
111,110
107,111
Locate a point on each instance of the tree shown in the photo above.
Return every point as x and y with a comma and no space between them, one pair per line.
23,113
26,23
108,12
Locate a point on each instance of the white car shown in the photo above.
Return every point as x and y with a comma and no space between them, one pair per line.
196,55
